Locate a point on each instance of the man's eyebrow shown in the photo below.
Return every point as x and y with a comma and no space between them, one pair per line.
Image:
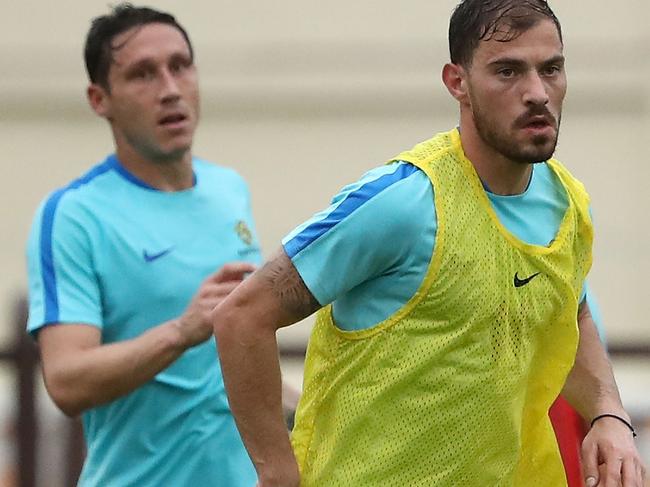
182,55
507,61
559,59
140,63
151,60
510,61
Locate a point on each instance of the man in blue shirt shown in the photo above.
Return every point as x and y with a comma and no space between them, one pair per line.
126,264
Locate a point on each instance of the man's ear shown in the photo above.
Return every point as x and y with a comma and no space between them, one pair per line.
454,77
98,100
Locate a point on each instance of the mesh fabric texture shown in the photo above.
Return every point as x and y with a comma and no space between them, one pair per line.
454,389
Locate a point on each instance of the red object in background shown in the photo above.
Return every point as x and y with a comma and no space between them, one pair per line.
570,430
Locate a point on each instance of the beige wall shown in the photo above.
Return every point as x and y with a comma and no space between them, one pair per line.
304,96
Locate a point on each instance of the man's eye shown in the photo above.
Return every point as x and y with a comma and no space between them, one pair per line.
551,70
142,74
506,72
180,65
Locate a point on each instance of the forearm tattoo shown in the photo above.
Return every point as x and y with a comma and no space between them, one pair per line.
288,287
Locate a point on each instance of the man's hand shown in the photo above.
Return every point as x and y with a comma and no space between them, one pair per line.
195,325
609,456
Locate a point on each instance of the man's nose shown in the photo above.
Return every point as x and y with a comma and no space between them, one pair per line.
535,92
169,86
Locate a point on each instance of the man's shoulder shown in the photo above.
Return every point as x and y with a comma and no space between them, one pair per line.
433,149
404,202
391,189
388,202
388,177
80,191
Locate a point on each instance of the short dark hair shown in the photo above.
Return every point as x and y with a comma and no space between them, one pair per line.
98,51
474,21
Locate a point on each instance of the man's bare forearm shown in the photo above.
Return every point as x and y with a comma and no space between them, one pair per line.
251,372
590,386
96,374
608,453
245,325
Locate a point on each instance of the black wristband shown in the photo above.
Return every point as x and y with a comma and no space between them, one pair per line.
625,422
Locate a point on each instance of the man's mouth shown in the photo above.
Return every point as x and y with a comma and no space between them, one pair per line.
536,121
538,124
172,119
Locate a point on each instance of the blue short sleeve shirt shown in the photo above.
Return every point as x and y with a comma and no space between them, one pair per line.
368,252
111,252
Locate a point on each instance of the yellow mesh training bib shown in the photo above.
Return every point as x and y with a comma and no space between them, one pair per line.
453,389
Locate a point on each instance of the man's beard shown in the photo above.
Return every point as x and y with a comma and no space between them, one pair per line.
539,150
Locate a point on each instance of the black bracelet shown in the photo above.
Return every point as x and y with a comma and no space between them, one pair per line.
626,423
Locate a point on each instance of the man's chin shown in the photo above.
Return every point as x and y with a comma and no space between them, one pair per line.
171,156
534,156
176,151
539,149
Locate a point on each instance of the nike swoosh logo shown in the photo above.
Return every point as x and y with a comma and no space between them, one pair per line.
523,282
151,257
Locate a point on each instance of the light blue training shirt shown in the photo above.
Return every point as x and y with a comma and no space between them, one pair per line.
112,252
368,252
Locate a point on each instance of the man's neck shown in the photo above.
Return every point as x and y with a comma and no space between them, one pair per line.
164,175
498,173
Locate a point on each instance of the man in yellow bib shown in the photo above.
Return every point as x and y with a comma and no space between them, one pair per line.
452,288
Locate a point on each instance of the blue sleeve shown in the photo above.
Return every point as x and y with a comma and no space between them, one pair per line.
594,307
35,276
63,287
596,315
368,231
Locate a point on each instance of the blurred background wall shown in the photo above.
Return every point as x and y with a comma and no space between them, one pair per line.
303,96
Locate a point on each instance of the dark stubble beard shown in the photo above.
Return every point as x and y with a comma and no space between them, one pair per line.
539,151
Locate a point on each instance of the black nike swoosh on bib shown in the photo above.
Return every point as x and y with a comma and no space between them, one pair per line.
522,282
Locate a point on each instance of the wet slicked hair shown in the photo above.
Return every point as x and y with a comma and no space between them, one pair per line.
474,21
98,51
